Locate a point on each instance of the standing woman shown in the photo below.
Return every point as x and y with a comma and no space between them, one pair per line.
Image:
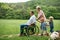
42,19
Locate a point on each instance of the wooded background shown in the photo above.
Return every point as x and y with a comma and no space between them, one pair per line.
21,10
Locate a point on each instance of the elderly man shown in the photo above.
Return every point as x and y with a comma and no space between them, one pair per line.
31,21
42,19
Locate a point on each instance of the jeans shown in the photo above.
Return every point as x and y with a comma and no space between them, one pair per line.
22,28
51,27
43,26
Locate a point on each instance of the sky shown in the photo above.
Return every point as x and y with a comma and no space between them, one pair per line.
13,1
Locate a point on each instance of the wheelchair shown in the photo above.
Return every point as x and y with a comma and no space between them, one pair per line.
33,29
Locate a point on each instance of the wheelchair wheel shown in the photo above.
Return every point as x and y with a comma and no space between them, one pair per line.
33,30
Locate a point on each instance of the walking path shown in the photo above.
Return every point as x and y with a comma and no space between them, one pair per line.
9,36
16,35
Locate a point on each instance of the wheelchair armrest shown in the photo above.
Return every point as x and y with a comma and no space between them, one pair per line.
33,24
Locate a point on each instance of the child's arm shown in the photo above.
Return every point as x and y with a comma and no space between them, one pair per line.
47,22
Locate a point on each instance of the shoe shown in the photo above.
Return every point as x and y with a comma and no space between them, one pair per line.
20,35
41,35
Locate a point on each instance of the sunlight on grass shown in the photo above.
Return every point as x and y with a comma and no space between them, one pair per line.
13,27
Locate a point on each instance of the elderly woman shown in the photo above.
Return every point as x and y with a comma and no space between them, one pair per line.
42,19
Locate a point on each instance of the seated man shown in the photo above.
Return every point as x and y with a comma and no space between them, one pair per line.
31,21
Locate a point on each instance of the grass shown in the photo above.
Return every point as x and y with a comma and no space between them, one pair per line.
8,27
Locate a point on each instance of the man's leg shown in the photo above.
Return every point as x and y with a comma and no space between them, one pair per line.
22,29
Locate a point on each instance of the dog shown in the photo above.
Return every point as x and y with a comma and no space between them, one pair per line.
55,35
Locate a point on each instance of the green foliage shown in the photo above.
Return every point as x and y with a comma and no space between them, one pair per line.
22,10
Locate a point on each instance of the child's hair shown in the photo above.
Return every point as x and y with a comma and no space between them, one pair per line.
51,18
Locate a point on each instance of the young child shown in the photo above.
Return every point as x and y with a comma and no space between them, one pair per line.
51,24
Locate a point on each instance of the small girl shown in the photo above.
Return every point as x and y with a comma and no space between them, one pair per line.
51,24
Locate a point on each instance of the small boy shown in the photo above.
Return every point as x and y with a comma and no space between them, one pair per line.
51,24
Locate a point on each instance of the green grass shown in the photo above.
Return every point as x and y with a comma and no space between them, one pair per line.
13,27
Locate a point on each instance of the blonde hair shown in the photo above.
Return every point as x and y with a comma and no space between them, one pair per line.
38,7
51,17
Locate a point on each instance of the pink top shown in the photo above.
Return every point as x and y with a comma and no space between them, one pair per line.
41,13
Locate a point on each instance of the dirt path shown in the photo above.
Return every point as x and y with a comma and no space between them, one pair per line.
9,36
16,35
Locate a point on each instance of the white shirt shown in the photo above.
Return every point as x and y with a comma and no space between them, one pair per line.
31,20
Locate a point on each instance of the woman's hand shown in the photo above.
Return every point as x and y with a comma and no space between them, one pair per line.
39,21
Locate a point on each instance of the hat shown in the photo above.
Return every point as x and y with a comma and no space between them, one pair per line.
38,7
51,17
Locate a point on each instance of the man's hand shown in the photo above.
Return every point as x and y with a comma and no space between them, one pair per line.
29,25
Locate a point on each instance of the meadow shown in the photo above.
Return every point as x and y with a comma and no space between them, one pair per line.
8,27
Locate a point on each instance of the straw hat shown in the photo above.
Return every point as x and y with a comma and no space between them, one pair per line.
51,17
38,7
